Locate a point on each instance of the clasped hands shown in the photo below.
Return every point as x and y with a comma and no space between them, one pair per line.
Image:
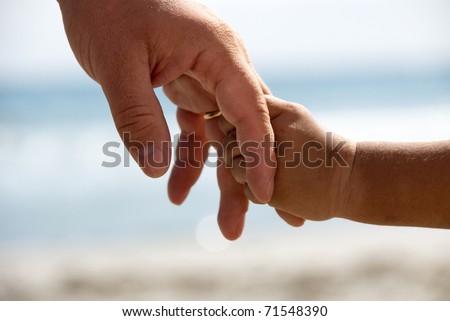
307,186
131,47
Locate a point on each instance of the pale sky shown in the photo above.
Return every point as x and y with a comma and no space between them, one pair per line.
300,34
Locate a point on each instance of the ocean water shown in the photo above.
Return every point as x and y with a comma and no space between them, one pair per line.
53,189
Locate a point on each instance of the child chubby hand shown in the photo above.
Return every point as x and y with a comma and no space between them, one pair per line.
321,175
313,166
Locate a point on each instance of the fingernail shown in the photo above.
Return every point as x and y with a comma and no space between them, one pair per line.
269,189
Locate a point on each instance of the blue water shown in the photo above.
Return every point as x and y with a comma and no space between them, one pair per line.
85,102
54,190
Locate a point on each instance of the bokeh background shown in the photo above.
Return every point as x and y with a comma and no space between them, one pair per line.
72,229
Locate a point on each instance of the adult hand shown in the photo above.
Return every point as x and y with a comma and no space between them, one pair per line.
130,47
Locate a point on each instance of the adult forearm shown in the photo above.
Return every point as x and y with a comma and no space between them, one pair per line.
403,184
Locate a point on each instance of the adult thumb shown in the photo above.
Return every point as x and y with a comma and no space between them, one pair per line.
139,118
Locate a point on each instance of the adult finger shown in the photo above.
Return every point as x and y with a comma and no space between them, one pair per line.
233,204
191,99
137,114
241,101
275,106
191,154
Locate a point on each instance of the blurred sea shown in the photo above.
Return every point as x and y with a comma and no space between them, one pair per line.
53,189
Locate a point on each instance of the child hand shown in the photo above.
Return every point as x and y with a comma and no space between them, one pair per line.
313,166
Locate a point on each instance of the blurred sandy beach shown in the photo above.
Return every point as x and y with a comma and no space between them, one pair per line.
389,264
71,229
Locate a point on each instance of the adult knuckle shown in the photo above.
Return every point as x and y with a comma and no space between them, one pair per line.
134,119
